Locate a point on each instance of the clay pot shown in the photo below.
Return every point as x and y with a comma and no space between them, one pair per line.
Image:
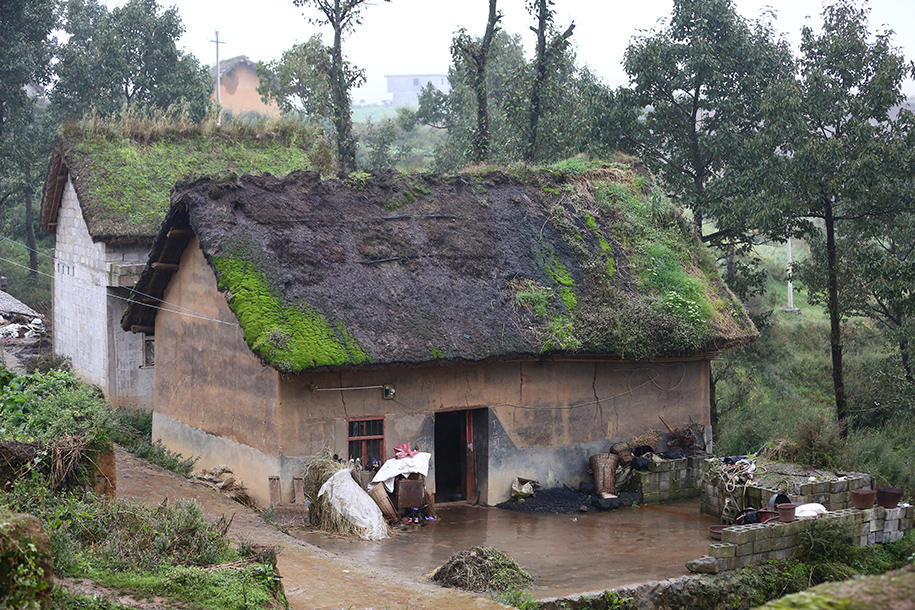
714,531
888,497
766,515
786,512
863,498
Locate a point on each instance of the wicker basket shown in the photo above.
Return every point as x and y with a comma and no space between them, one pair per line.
650,438
622,450
380,495
604,467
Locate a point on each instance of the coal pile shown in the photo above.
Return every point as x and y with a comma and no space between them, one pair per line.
563,500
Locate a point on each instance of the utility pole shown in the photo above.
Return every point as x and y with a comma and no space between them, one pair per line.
218,74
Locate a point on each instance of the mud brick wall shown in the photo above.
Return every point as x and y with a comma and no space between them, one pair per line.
743,545
669,480
834,495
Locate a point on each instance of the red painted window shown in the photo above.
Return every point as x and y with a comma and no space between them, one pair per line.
366,440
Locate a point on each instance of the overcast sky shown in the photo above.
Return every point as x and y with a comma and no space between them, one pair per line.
413,36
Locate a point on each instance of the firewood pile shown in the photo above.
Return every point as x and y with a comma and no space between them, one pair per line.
223,480
688,438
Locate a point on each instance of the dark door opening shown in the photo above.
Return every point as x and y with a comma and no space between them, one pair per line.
450,456
460,447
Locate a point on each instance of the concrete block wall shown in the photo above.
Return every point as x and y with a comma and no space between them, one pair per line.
669,480
80,294
743,545
834,494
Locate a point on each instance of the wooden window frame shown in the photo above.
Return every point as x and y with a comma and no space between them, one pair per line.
364,439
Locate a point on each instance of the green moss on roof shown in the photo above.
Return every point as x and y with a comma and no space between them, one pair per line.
290,338
123,183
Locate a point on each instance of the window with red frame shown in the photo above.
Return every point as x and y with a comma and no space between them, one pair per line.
366,440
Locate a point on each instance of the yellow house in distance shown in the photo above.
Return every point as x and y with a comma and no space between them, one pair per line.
238,84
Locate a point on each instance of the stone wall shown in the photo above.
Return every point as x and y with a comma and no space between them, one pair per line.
743,545
833,494
669,480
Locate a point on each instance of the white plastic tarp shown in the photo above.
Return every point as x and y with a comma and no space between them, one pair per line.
356,506
418,464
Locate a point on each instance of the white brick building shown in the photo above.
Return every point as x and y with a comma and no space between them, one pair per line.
92,278
406,87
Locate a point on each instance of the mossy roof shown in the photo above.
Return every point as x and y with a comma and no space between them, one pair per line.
123,182
393,268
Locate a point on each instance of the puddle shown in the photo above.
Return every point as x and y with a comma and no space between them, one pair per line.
566,554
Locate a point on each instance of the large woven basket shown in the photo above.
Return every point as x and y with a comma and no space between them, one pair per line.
622,450
380,495
603,466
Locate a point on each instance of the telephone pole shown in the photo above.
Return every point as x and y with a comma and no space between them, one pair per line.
218,84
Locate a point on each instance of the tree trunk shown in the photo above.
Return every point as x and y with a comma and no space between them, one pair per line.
835,321
483,137
30,226
906,363
539,78
343,122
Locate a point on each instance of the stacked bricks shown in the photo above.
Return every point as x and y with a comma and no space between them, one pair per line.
834,494
669,480
743,545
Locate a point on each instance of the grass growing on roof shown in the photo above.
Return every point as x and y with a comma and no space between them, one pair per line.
124,177
291,338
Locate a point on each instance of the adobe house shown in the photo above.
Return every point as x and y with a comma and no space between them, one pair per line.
104,198
238,83
510,325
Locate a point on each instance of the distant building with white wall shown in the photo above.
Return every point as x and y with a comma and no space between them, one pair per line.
406,87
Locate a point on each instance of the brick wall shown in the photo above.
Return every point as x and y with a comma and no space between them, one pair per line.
669,480
833,494
80,294
90,280
743,545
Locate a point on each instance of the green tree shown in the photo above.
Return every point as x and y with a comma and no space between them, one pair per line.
300,82
835,164
700,80
546,53
342,16
25,57
126,56
472,55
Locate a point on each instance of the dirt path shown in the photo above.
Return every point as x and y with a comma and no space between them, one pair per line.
313,579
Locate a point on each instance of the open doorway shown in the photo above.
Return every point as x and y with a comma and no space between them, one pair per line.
460,451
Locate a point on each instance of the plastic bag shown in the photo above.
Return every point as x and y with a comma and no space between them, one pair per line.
356,506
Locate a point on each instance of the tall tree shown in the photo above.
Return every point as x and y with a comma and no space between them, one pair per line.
300,82
126,56
342,16
835,161
550,45
701,80
25,67
473,54
25,55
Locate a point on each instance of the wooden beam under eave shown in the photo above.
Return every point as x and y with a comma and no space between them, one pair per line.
147,330
165,266
179,233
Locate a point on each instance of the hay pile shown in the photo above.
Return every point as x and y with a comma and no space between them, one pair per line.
482,569
322,514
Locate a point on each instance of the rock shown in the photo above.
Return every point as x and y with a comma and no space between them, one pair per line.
703,565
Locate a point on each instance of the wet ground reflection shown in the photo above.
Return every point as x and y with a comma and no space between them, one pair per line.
565,553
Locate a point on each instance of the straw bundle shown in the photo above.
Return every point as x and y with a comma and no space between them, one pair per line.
482,569
322,515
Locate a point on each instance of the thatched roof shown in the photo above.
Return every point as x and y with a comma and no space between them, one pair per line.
122,172
394,268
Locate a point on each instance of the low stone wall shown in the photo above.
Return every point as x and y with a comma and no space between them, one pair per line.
669,480
833,494
743,545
